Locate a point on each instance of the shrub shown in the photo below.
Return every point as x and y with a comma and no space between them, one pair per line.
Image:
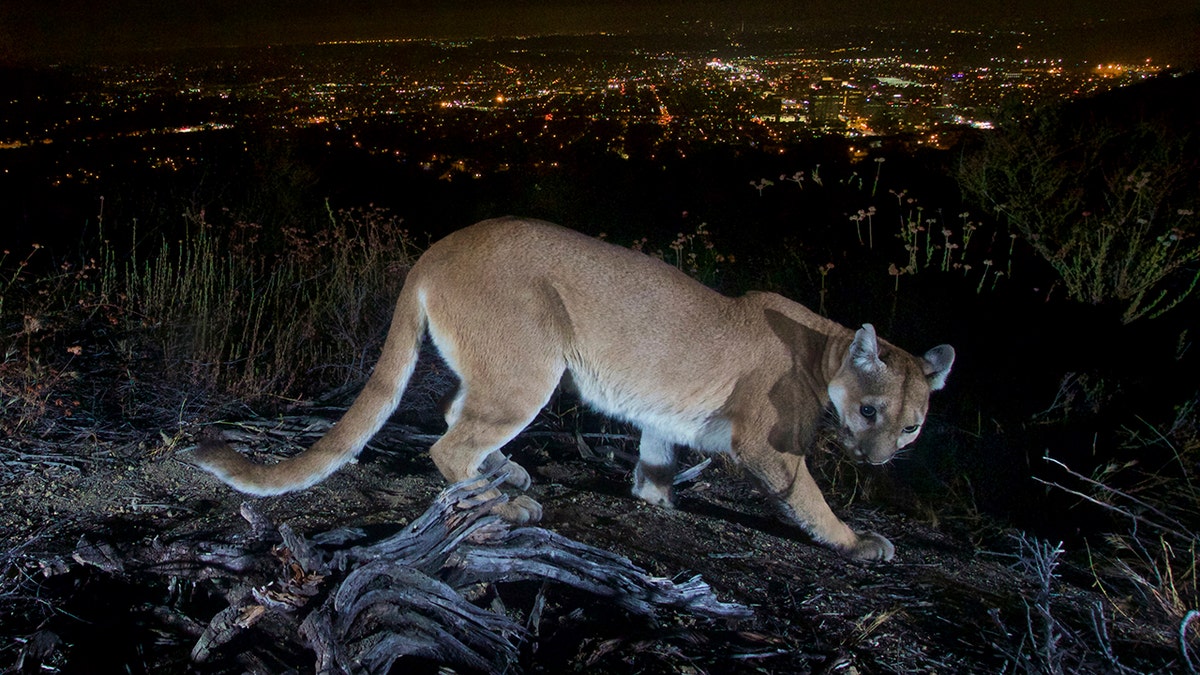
223,308
253,319
1111,209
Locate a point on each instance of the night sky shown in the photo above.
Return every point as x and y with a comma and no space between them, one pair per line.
50,28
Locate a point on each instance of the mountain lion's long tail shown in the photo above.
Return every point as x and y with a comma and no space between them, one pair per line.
346,439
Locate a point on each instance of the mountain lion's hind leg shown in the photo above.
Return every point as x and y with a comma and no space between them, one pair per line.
470,445
517,476
492,407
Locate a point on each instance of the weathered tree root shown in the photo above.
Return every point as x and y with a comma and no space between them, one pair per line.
407,595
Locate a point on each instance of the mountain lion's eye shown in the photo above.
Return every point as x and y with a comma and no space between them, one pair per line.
912,428
867,411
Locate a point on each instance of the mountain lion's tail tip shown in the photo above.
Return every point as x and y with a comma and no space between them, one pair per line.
212,455
229,466
238,472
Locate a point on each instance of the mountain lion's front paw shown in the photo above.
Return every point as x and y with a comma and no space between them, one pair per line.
522,510
654,494
872,546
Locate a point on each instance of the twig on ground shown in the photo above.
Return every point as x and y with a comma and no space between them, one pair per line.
1175,527
691,473
1183,642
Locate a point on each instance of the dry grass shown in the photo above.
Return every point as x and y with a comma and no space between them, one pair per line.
226,309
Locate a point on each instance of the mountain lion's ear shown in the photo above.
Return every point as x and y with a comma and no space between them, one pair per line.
864,351
937,365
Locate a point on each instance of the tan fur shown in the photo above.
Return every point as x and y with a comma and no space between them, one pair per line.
514,304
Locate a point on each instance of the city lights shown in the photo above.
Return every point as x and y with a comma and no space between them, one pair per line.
625,98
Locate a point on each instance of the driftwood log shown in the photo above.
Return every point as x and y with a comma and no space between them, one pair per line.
363,607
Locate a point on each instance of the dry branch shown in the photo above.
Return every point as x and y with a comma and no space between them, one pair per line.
1168,524
362,608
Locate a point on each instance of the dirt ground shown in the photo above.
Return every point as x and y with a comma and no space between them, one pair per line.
87,587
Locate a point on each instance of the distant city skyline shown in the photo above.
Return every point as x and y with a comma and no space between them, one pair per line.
82,29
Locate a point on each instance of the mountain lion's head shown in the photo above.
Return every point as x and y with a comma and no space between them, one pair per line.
881,395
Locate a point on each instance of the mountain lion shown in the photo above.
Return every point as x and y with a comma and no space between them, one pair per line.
513,305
